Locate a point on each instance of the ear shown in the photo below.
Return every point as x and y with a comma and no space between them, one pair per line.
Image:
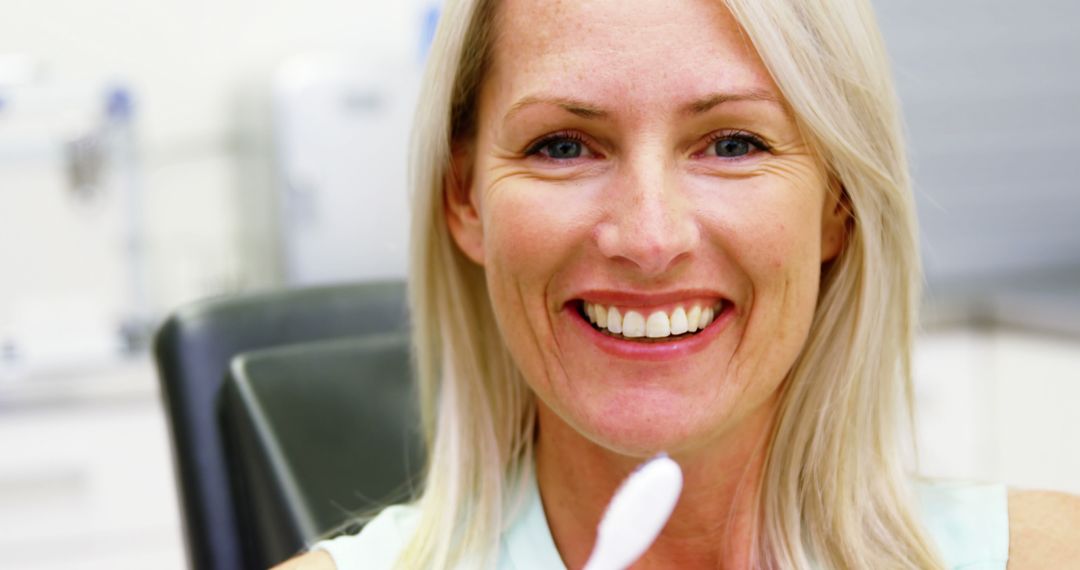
836,218
460,205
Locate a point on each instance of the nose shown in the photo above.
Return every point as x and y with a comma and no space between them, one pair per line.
649,224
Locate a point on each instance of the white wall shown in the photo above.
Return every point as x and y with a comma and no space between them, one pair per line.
201,74
991,94
188,58
999,405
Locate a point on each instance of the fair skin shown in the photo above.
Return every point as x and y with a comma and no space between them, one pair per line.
637,155
679,181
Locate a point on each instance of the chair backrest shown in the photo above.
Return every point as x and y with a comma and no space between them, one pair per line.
193,349
318,434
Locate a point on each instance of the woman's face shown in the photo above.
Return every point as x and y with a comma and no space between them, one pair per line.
634,164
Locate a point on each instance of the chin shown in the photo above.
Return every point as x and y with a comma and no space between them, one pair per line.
644,426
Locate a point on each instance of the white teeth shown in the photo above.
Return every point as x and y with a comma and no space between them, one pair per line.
633,325
678,321
601,316
693,318
614,320
658,325
706,317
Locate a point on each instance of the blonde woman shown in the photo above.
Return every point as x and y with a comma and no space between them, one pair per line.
683,227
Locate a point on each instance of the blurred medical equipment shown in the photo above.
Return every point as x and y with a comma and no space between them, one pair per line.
341,128
71,238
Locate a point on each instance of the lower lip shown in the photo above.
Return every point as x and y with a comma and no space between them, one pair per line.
653,351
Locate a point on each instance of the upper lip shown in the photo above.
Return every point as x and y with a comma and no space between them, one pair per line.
629,298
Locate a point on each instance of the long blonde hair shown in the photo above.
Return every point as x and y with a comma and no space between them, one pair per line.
834,492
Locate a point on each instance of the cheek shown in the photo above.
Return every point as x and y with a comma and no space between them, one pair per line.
770,233
784,272
514,232
528,244
767,232
526,238
779,249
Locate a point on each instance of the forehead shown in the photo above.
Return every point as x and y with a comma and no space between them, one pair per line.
630,54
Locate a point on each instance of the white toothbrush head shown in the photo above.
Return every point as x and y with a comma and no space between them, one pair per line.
636,514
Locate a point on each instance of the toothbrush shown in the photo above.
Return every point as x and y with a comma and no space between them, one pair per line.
636,514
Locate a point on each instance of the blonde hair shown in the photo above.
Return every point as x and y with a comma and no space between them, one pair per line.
834,493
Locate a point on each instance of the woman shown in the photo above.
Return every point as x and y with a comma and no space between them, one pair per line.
677,226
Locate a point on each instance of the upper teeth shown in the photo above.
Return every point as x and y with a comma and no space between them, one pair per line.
659,324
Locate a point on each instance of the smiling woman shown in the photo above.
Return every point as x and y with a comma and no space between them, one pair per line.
681,227
650,218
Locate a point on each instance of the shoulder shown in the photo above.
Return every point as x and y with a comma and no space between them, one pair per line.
1044,530
316,560
377,546
968,521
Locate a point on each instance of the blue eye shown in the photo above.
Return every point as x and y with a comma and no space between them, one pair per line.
564,148
731,148
735,145
559,147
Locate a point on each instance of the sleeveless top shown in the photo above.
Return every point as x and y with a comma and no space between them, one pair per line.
968,521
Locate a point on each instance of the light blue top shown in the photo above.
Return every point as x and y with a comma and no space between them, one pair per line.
970,523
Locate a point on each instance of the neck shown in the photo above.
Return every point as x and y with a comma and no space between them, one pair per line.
713,522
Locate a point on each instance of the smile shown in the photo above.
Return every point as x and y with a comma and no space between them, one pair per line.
651,325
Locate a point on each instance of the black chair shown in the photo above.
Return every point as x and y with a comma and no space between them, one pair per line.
193,349
317,434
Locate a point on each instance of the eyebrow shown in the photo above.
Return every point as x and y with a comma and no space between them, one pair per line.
587,110
705,104
573,106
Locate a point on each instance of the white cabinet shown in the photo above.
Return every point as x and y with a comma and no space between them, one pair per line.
999,405
86,479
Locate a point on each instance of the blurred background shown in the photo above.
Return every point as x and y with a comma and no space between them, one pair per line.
157,152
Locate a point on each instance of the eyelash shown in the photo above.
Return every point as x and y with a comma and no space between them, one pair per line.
535,148
744,136
738,135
